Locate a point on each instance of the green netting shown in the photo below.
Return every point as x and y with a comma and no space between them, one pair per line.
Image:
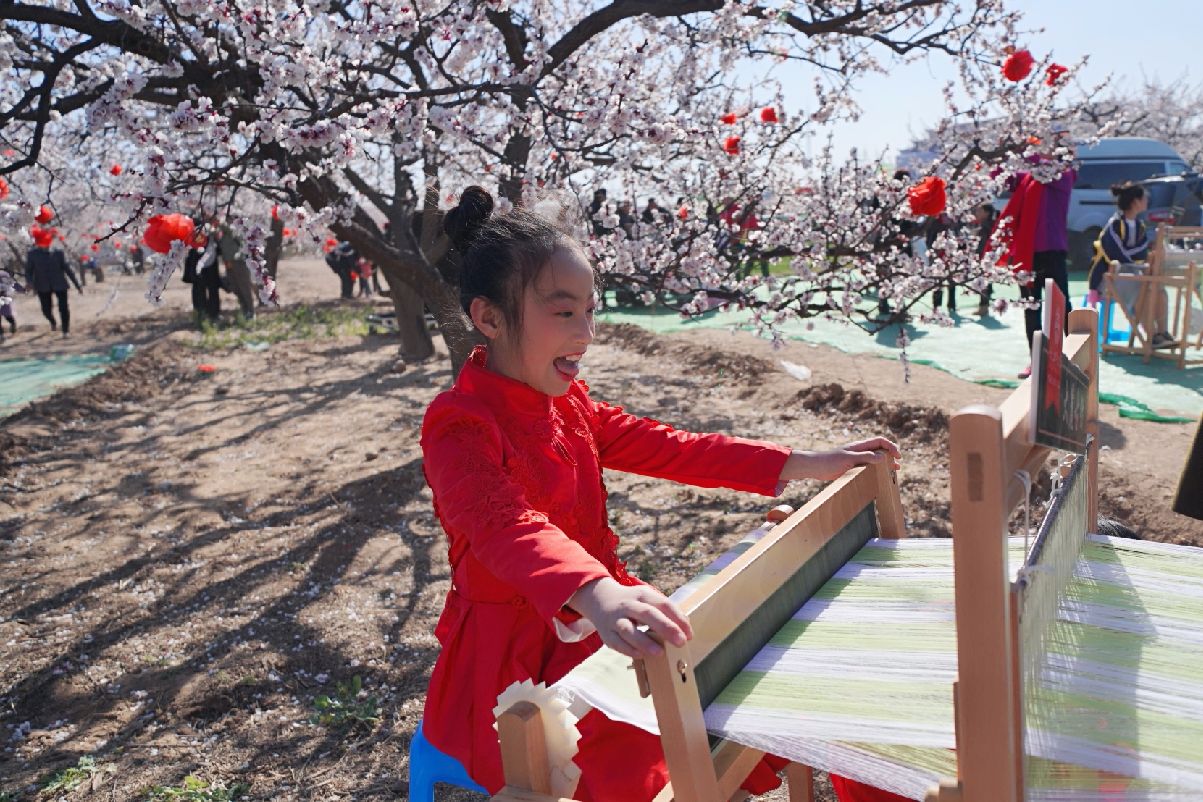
986,350
25,380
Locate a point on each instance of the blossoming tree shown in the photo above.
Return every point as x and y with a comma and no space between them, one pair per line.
346,116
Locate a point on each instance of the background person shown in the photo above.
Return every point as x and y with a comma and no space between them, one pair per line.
1125,239
47,272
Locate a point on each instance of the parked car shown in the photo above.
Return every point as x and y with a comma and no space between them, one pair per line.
1176,200
1111,161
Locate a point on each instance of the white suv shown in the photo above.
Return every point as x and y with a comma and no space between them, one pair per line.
1111,161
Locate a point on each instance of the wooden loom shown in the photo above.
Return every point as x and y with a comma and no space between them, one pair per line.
782,570
1170,273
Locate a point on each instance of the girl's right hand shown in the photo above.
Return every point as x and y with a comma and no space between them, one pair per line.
618,610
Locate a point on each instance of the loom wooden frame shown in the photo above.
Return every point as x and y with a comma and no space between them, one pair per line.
715,609
989,447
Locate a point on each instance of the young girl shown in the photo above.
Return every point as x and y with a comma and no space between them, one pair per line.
1125,239
514,455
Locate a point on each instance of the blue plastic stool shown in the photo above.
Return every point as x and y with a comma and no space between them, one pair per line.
427,766
1113,316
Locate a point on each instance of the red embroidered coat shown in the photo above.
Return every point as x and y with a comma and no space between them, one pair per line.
517,481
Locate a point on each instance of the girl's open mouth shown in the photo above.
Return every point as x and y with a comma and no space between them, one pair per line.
567,368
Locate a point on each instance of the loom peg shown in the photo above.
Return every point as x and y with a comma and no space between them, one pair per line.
946,791
779,513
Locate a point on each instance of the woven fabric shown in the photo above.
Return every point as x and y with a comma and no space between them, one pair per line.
859,681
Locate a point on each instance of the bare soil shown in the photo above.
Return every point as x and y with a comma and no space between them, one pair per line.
190,559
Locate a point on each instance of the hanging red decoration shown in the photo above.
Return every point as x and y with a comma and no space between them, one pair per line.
3,188
331,244
1018,65
731,145
165,229
1053,74
115,169
288,232
42,237
275,212
768,115
44,215
683,213
94,247
927,197
729,118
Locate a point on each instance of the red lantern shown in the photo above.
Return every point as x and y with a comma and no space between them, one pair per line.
731,145
3,188
1052,75
165,229
115,169
729,118
927,197
1018,65
768,115
44,215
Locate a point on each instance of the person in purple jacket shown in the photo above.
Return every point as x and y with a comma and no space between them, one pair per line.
1050,249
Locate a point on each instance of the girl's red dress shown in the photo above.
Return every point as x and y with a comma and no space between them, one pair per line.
517,482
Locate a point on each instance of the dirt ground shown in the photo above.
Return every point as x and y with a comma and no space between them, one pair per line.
189,560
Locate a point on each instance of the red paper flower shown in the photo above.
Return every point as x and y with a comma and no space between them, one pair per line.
1052,75
683,213
768,115
331,244
44,215
115,169
729,118
165,229
731,145
927,197
1018,65
3,188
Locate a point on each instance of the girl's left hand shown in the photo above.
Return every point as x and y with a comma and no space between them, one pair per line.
829,465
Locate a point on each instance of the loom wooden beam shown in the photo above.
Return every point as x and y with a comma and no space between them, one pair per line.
1085,321
986,758
682,728
524,749
720,605
891,521
801,782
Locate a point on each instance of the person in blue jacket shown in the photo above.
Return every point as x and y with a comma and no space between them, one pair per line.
1125,239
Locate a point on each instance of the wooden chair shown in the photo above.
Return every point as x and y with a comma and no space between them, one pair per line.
733,614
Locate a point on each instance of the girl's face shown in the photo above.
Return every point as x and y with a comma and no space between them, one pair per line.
555,330
1139,205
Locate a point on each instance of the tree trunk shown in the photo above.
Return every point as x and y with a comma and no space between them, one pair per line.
416,342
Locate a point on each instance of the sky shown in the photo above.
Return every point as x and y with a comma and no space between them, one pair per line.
1126,40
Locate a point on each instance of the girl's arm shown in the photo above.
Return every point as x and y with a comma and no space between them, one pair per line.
645,446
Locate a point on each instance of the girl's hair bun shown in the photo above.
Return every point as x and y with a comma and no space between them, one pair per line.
464,221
